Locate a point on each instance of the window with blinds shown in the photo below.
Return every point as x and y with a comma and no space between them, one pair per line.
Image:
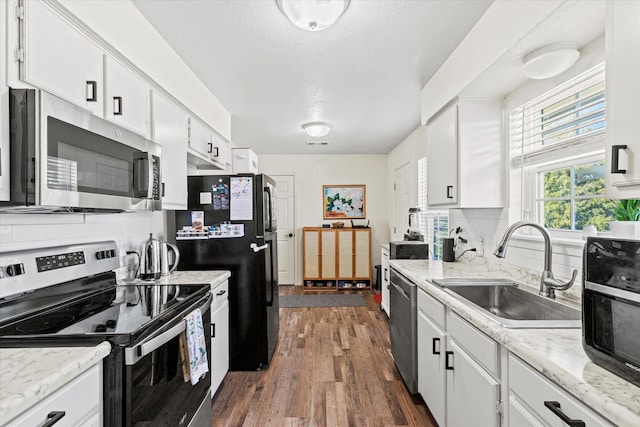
434,224
557,142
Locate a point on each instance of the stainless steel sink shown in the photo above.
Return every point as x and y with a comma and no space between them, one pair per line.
510,306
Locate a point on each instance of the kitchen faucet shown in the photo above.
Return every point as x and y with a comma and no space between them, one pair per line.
548,284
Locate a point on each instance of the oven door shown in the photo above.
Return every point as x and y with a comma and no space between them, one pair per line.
610,329
155,391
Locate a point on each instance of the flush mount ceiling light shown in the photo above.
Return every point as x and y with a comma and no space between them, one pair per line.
549,61
317,129
313,15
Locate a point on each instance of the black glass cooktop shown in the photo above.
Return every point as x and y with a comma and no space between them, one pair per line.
83,312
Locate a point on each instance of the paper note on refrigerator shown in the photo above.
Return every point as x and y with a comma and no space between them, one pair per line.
241,208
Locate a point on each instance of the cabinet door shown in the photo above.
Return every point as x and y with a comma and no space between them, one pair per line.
221,151
328,255
431,369
362,261
442,159
311,254
472,394
345,254
219,346
385,281
60,59
623,98
127,99
170,128
200,138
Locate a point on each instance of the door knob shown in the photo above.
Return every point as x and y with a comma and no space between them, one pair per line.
290,234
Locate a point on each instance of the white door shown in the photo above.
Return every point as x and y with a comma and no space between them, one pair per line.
401,191
286,229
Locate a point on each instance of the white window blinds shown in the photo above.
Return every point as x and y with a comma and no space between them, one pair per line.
433,224
569,118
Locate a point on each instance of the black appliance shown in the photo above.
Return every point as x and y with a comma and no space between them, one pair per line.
408,249
81,304
239,216
403,328
611,305
64,158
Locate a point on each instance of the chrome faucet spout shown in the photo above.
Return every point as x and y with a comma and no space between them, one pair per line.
548,284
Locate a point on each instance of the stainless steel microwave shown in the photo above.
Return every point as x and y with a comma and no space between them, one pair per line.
64,159
611,305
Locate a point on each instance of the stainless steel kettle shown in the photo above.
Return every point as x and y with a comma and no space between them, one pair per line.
150,259
167,252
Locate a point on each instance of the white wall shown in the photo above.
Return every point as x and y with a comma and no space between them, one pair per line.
410,150
311,172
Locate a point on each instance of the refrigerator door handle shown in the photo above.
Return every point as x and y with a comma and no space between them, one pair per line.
257,248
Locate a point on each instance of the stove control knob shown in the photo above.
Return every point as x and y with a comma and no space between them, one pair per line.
101,328
15,270
99,254
111,323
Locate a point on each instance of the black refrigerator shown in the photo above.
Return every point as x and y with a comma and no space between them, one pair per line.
231,225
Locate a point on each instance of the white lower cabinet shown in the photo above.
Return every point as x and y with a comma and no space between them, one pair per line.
219,356
384,256
78,403
536,401
432,347
458,368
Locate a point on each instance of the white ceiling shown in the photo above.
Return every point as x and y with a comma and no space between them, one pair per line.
363,75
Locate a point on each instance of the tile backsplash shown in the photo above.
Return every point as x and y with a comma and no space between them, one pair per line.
129,230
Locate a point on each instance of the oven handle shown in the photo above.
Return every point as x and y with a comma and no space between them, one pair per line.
613,292
133,354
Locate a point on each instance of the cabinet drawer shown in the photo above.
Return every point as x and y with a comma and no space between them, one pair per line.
482,348
79,399
431,307
531,389
220,293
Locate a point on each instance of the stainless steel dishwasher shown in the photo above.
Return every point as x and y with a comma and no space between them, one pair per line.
403,325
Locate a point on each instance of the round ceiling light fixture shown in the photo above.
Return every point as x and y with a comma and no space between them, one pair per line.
313,15
549,61
317,129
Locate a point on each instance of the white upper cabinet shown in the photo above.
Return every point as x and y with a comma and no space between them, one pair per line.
170,128
465,155
60,59
623,99
126,98
206,147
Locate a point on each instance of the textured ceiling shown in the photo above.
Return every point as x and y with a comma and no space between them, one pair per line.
363,75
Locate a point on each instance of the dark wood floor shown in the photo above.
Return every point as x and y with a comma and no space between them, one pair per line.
332,367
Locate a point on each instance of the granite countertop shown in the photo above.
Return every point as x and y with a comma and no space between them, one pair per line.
556,353
212,277
28,375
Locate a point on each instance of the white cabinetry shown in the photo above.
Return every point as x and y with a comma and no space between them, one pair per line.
206,146
60,59
465,154
458,367
623,99
219,335
473,386
127,98
384,304
536,401
78,403
432,347
170,128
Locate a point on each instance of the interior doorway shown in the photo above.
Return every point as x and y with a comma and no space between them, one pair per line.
285,196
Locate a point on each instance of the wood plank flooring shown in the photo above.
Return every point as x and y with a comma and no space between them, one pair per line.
332,367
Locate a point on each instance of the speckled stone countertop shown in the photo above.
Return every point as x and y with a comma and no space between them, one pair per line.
196,277
28,375
556,353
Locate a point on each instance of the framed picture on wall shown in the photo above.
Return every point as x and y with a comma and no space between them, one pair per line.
344,201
